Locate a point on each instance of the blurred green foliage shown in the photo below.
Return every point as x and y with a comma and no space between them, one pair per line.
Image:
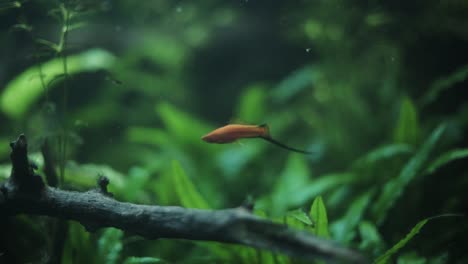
376,90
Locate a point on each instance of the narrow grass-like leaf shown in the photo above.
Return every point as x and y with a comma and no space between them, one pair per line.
371,240
447,157
414,231
21,92
407,130
318,214
186,191
442,84
395,187
79,238
344,229
9,4
142,260
382,153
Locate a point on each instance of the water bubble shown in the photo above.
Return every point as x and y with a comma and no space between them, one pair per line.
179,9
308,49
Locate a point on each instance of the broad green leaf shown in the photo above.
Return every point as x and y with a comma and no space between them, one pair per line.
252,105
24,90
182,126
318,214
186,191
85,175
395,187
164,50
110,245
414,231
136,181
296,82
142,260
298,219
447,157
300,215
407,130
294,177
146,135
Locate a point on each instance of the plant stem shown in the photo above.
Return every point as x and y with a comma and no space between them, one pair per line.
63,45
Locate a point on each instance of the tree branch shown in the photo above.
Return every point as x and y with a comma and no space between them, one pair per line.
24,192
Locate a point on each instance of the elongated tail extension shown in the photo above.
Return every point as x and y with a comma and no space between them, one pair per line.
279,144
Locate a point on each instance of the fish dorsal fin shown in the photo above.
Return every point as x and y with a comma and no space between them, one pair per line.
267,129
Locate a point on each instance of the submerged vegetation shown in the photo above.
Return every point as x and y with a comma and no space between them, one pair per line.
126,89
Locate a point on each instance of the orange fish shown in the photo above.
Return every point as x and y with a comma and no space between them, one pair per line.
233,132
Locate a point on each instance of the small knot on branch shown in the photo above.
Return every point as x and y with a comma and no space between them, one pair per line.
248,204
102,182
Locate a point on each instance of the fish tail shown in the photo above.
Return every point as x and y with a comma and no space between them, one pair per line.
279,144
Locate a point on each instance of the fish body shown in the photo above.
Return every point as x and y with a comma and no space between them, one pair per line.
233,132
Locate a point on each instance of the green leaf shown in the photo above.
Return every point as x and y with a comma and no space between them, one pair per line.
382,153
6,5
79,239
447,158
445,83
188,195
344,229
296,82
414,231
185,128
252,104
294,177
407,130
110,245
395,187
320,185
85,175
5,170
298,219
144,135
142,260
318,214
24,90
4,148
371,240
300,216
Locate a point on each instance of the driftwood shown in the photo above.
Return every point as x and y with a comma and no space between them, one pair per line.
25,193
